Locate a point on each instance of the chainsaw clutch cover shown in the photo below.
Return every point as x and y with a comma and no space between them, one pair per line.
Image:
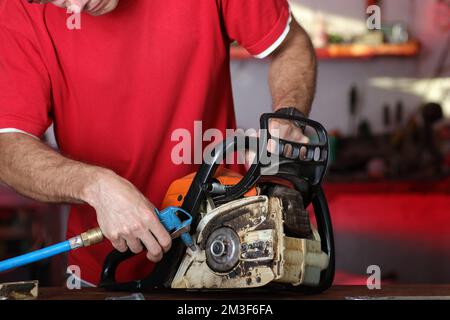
242,244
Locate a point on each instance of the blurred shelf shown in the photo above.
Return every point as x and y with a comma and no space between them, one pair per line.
350,51
360,51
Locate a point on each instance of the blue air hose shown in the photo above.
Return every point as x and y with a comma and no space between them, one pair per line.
35,256
168,217
85,239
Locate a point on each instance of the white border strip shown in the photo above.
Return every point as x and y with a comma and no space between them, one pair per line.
14,130
277,43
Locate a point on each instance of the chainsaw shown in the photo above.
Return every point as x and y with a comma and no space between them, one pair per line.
252,231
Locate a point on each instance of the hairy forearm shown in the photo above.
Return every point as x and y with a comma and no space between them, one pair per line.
124,215
37,171
293,72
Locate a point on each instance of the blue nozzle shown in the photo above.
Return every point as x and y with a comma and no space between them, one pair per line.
172,222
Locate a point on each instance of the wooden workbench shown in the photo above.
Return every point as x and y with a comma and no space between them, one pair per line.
335,293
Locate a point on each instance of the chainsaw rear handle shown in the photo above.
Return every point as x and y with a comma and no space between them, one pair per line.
310,170
325,229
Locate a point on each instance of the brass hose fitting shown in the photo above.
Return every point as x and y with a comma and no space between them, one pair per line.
92,237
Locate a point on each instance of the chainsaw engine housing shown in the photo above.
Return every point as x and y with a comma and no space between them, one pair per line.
243,245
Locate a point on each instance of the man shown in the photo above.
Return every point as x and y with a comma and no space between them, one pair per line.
115,90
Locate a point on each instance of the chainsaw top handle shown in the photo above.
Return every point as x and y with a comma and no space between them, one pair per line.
304,165
305,161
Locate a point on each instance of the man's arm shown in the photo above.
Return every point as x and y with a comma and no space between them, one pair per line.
35,170
293,71
125,216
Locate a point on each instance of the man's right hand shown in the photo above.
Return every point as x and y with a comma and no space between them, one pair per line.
125,216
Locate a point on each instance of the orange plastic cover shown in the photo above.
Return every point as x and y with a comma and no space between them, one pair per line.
179,188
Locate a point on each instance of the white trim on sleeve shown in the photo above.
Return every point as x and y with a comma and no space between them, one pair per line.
14,130
277,43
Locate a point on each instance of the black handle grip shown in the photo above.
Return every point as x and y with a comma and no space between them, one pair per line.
160,277
108,277
325,229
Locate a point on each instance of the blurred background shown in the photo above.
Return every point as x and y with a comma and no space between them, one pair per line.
384,96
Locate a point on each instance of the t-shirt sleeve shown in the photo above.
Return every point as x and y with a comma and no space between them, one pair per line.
259,26
25,90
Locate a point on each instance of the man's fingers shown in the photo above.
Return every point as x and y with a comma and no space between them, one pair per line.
134,244
99,7
159,232
154,250
286,130
76,6
94,5
296,133
119,245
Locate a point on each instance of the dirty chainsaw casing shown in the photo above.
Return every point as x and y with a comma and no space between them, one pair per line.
261,252
251,231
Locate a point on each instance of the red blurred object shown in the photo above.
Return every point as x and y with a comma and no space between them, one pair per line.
413,211
373,3
447,161
442,14
392,224
343,278
349,51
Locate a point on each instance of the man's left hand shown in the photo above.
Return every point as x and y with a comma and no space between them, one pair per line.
286,130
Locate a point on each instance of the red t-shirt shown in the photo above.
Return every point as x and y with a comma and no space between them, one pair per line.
117,88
